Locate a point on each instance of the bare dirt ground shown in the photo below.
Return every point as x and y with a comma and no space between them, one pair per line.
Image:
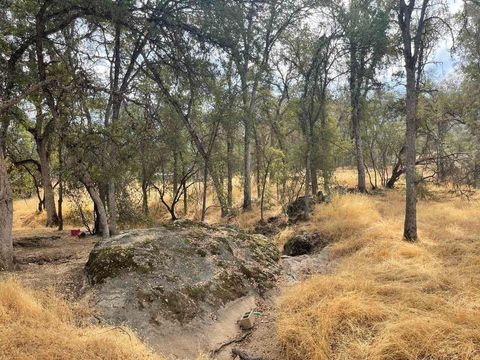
50,259
260,342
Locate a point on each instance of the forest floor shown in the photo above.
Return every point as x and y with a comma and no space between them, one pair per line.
48,259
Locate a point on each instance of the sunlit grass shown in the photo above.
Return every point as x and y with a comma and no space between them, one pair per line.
38,325
389,299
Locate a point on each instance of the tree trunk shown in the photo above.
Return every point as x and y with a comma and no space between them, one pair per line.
112,116
6,216
205,188
171,210
229,170
185,200
40,199
258,165
313,169
476,170
247,186
410,226
145,197
308,171
52,217
96,226
262,196
358,146
37,185
355,96
374,166
217,184
175,171
313,174
397,170
60,186
112,207
144,189
103,226
42,133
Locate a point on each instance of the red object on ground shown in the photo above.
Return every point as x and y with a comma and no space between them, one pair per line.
75,232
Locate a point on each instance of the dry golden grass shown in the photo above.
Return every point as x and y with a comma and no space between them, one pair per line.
25,216
389,299
28,220
345,177
36,325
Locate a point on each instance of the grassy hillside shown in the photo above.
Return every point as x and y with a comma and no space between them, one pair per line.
389,299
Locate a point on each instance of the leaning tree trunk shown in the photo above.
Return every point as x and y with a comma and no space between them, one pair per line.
6,216
52,217
100,208
410,226
217,184
397,170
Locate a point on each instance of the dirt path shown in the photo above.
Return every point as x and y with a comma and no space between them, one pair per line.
261,340
52,259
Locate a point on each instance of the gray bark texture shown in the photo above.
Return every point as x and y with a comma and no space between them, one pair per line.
410,226
49,195
6,216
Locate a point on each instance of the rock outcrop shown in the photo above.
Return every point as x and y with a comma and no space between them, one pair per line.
304,244
175,278
271,227
296,209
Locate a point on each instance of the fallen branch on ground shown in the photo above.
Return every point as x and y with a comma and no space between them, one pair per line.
243,355
233,341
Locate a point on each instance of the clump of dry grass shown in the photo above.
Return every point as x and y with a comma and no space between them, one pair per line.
41,326
345,216
345,176
389,299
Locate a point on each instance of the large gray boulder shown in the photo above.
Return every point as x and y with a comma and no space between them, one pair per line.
175,278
